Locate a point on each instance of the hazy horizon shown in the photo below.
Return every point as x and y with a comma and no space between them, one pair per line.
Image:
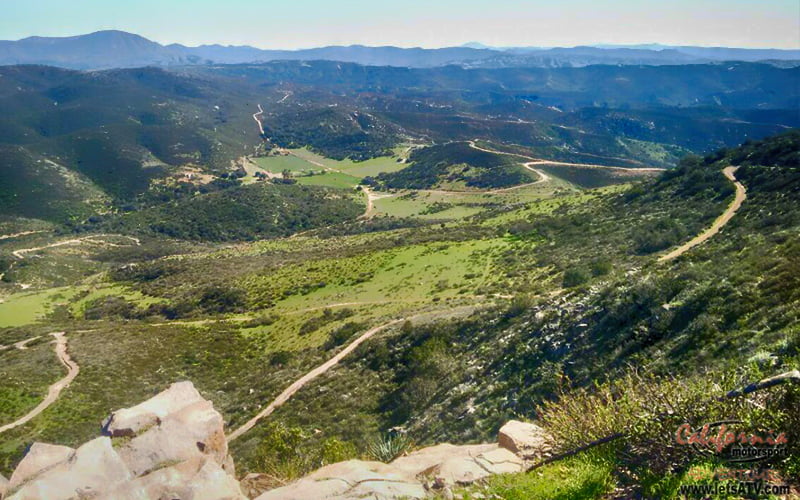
772,24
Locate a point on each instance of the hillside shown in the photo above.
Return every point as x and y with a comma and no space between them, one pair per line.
79,144
456,165
529,309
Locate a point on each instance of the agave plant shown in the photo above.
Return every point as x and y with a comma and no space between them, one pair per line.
386,448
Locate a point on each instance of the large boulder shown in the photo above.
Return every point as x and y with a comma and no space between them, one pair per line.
92,469
132,421
199,478
40,457
195,431
350,480
3,485
171,446
528,441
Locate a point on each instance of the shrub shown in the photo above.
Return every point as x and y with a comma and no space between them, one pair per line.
110,307
648,410
575,276
289,452
222,299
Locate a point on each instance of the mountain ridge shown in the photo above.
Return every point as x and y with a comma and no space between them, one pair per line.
119,49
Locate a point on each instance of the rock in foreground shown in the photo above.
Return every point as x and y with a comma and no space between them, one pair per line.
171,446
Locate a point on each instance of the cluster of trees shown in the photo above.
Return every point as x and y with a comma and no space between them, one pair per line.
456,161
241,213
333,132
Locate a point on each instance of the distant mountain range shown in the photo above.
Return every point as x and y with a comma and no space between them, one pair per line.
118,49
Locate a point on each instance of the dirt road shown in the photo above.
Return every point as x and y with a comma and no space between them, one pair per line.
17,235
308,377
22,345
371,197
20,254
741,195
539,161
255,117
288,93
321,369
54,391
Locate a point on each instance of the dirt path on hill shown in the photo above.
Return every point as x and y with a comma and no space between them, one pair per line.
321,369
727,215
20,254
288,93
54,391
22,345
539,161
17,235
255,117
308,377
371,197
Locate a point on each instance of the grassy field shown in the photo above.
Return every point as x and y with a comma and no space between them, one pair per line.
302,160
278,164
25,308
329,179
452,205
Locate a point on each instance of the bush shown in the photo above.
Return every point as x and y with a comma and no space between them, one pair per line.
222,299
342,334
575,276
648,410
110,307
289,452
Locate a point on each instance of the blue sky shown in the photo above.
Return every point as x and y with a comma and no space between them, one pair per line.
427,23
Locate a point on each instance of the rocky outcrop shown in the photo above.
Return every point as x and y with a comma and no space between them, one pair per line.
131,421
526,440
351,480
171,446
422,473
89,471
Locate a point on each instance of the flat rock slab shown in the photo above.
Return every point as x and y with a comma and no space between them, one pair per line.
349,480
463,470
419,461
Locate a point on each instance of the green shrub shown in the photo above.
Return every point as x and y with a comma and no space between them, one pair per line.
575,276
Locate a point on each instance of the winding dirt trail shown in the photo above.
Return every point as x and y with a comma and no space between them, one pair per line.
539,161
255,117
17,235
321,369
308,377
54,391
727,215
20,254
22,345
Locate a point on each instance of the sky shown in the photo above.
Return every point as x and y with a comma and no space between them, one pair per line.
295,24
